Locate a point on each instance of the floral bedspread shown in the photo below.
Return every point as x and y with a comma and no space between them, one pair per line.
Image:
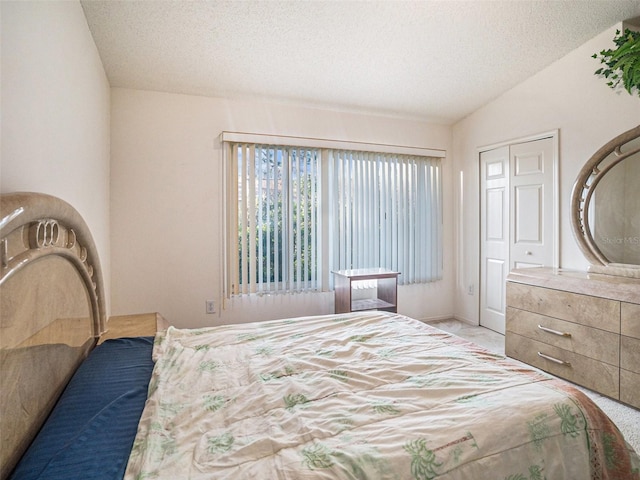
362,396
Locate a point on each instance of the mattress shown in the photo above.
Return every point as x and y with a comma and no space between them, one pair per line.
369,395
90,431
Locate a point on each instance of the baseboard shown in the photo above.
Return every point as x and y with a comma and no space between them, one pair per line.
475,323
437,318
440,318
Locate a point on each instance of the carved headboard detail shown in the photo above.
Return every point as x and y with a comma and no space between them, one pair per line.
52,311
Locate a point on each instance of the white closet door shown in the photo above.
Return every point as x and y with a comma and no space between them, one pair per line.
518,224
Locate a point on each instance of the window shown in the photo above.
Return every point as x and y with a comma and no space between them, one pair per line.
277,218
295,213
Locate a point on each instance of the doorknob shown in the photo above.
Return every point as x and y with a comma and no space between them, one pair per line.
527,252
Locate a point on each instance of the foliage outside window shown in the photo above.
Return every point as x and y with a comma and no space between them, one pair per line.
278,193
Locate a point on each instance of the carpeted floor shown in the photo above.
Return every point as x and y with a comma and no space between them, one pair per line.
626,418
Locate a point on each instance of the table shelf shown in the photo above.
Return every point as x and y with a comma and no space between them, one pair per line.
385,295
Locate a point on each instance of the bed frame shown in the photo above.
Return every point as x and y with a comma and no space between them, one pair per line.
52,311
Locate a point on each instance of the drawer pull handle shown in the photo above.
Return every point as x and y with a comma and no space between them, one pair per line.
555,360
555,332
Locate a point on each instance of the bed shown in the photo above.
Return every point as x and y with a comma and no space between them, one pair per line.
370,395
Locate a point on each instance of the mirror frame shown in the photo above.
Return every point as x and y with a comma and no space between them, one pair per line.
588,179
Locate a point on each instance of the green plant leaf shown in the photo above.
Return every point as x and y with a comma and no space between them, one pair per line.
622,64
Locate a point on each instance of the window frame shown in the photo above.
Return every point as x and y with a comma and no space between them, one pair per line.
230,195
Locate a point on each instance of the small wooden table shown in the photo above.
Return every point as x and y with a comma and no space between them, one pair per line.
139,325
386,290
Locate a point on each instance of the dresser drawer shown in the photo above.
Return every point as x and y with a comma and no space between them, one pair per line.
583,309
630,320
630,387
589,342
579,369
630,353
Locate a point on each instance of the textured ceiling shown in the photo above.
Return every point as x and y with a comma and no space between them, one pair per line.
436,60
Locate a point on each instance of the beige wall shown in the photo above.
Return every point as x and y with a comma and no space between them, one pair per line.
565,96
55,111
166,202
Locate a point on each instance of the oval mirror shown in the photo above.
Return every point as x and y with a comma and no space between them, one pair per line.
605,207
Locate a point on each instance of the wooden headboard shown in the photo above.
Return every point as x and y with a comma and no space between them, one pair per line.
52,311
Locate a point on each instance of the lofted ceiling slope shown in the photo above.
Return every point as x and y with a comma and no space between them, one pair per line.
437,60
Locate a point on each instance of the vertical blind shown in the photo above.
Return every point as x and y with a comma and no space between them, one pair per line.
386,211
277,219
379,209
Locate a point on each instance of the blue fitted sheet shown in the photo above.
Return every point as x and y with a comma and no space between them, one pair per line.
90,432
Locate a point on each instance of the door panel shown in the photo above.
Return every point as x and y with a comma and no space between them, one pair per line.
527,163
495,222
527,218
495,294
526,265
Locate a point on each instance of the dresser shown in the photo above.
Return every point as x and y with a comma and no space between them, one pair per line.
580,326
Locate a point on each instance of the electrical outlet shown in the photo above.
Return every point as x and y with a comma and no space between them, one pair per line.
211,306
470,289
